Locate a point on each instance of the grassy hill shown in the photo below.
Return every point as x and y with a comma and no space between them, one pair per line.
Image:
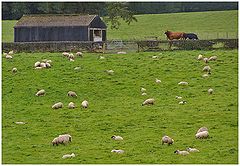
115,108
207,25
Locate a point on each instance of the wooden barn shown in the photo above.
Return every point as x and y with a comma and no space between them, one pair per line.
38,28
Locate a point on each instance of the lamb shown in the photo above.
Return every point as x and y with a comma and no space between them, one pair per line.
202,129
117,138
200,57
79,54
202,135
158,81
148,102
183,152
57,105
85,104
37,64
117,151
183,83
207,69
71,105
9,57
212,58
62,139
72,94
210,91
192,150
40,92
205,60
68,156
182,102
166,139
14,70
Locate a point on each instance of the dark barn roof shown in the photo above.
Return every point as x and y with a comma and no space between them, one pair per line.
55,20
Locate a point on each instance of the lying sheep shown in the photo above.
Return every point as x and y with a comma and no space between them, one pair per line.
68,156
79,54
62,139
71,105
72,94
207,69
202,129
183,83
148,102
158,81
192,150
85,104
200,57
117,151
167,140
110,72
210,91
212,58
40,92
57,105
14,70
202,135
155,57
143,90
183,152
117,138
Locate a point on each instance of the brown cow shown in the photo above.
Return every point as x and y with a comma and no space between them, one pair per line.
174,35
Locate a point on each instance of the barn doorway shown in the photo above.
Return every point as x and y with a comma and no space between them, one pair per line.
96,35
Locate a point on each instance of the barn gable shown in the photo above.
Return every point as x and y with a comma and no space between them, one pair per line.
33,28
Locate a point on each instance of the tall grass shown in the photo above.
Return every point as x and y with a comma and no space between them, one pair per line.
115,108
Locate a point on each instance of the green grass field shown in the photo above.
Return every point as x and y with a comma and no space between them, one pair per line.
208,25
115,108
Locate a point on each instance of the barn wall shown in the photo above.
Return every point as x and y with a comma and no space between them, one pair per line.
97,23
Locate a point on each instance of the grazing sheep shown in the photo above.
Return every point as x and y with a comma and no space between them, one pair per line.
9,57
62,139
158,81
182,102
117,138
10,52
200,57
40,92
202,129
183,83
144,94
71,56
205,60
71,105
143,90
121,52
117,151
167,140
77,68
210,91
43,65
110,71
85,104
68,156
14,70
183,152
57,105
212,58
37,64
72,94
79,54
178,97
207,69
155,57
148,102
192,150
65,54
20,122
48,65
202,135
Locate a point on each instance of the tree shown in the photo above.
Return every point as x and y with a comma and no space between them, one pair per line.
117,10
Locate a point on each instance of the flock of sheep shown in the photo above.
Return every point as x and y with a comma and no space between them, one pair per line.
202,133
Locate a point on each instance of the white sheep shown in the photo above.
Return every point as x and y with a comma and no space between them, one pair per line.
40,92
182,102
178,97
10,52
212,58
9,57
85,104
49,61
79,54
206,75
43,65
71,60
143,90
68,156
183,83
207,69
205,60
117,138
155,57
121,52
202,135
210,91
37,64
144,94
202,129
77,68
4,54
38,68
183,152
110,72
200,57
14,70
62,139
71,56
192,150
101,57
48,65
148,102
71,105
72,94
158,81
20,123
65,54
117,151
57,105
167,140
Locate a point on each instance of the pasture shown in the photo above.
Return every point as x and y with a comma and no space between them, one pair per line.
208,25
115,108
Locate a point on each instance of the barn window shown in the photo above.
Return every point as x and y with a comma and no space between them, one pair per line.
97,35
